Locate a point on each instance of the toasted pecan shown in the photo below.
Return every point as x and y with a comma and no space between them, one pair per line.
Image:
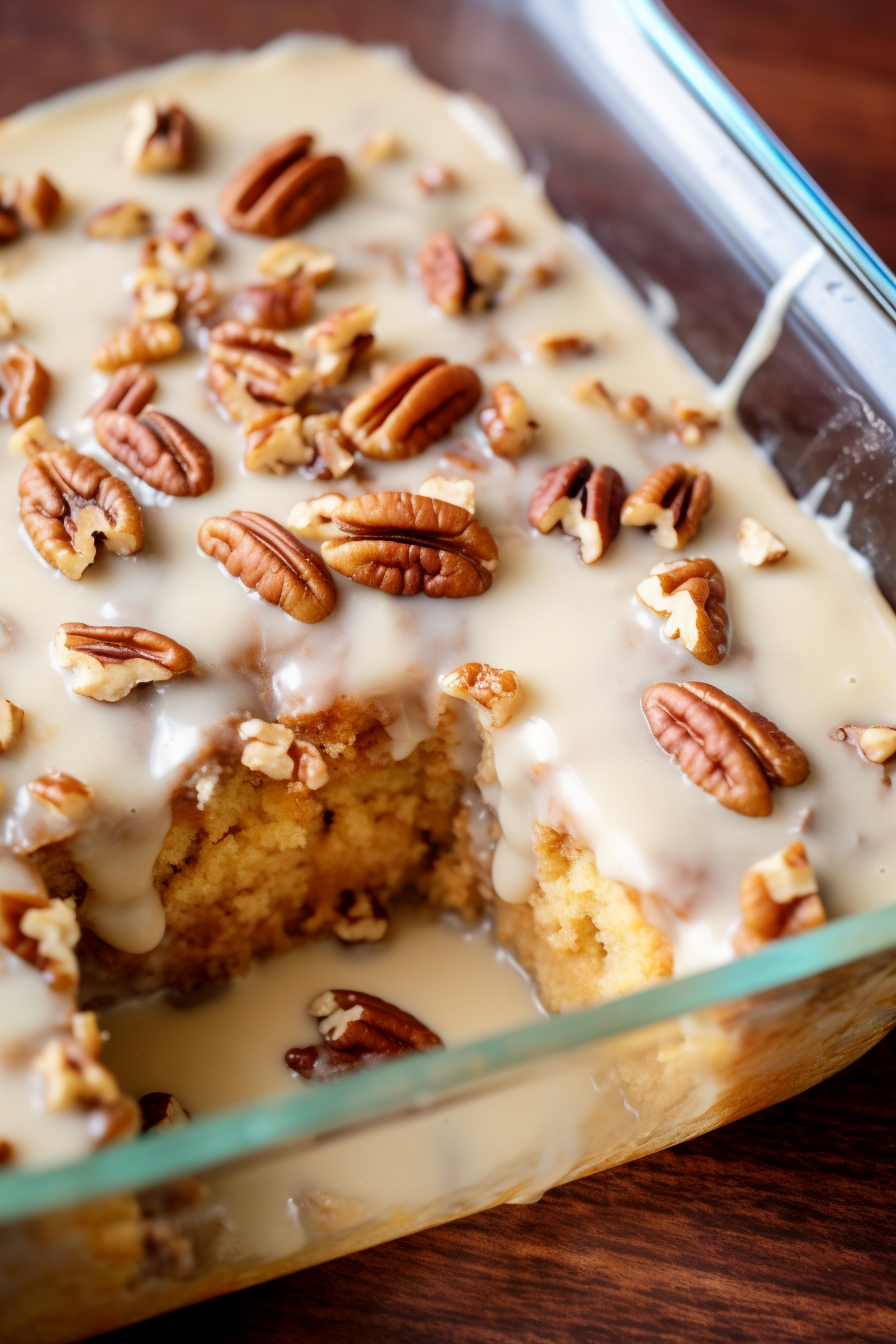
158,449
411,407
269,560
282,188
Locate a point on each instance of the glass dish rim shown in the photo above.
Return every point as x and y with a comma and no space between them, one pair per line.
418,1081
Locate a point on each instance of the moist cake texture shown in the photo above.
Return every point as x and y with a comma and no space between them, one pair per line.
430,573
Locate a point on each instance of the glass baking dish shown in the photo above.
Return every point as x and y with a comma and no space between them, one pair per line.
701,211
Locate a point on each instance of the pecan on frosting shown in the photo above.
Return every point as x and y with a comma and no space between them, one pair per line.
110,660
411,407
158,449
405,544
272,562
282,188
585,500
671,503
691,593
359,1030
27,384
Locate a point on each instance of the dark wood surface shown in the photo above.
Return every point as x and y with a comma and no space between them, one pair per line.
780,1227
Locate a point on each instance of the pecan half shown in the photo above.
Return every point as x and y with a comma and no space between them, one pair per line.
277,305
158,449
672,503
495,691
688,423
444,273
270,561
147,341
507,422
411,407
358,1030
37,201
27,385
282,188
405,544
235,402
129,390
585,500
691,593
778,898
876,744
110,660
757,545
118,221
723,748
67,501
161,1110
264,365
159,137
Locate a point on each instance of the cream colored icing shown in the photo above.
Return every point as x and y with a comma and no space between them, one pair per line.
814,644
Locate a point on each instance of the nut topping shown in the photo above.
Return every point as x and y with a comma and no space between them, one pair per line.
275,751
495,691
433,179
277,444
757,545
361,919
461,493
358,1030
585,500
489,226
405,544
270,561
333,453
159,137
553,345
67,796
282,188
278,305
27,385
158,449
110,660
161,1110
39,930
876,744
184,244
444,274
691,593
67,501
672,503
411,407
289,258
340,340
634,409
507,422
381,147
129,390
313,518
145,342
264,365
8,325
710,734
12,724
36,200
778,897
118,221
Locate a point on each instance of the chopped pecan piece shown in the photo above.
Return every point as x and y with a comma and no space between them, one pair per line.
876,744
724,748
288,258
146,342
495,691
433,179
67,796
161,1110
462,493
37,201
110,660
159,137
778,897
313,518
340,340
411,407
360,919
130,390
560,344
444,273
585,500
270,561
333,453
27,385
39,930
72,1077
381,147
358,1030
634,409
7,1152
277,444
757,545
275,751
672,503
507,422
158,449
489,226
405,544
282,188
689,423
277,305
67,501
118,221
12,724
691,593
185,243
264,365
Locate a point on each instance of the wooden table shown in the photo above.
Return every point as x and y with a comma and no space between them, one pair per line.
780,1227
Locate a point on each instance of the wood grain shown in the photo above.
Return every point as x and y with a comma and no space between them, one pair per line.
779,1227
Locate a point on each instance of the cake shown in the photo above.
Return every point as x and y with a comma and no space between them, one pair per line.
376,550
